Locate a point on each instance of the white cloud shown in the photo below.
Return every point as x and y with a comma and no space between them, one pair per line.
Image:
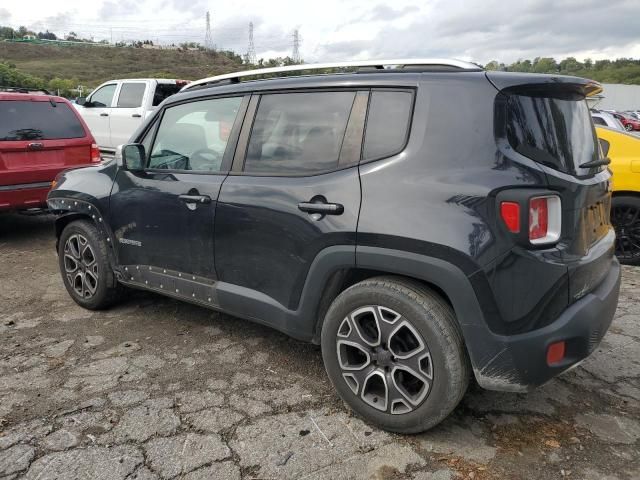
479,30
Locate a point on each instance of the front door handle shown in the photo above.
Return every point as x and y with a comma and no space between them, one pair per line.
321,208
136,115
195,198
35,146
104,114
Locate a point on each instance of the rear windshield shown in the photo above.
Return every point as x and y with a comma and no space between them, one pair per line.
26,120
556,132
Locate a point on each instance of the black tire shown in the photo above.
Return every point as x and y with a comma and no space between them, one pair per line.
432,318
92,295
628,127
625,218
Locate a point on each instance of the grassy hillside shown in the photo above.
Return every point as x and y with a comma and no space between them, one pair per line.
94,65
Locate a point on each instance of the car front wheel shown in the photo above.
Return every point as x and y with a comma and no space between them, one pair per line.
84,266
394,353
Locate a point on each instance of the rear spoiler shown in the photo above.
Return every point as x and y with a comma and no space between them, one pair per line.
542,84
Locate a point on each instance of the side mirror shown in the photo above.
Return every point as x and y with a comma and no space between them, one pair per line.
81,101
604,145
131,157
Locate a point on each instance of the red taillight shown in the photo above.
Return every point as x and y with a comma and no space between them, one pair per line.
538,218
95,154
533,218
545,219
510,213
556,352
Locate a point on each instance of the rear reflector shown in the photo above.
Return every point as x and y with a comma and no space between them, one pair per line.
555,353
95,154
545,219
510,213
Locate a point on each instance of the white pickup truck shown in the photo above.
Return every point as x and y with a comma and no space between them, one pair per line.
116,108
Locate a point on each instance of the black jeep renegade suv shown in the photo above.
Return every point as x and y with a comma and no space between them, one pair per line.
422,224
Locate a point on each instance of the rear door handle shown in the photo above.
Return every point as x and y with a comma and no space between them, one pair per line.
136,115
195,198
104,114
35,146
321,208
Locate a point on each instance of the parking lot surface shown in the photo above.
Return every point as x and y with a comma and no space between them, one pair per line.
157,389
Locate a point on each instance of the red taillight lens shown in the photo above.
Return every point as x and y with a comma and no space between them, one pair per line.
556,352
538,218
545,219
510,213
95,154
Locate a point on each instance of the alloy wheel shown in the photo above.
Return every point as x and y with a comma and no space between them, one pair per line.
81,266
384,360
626,222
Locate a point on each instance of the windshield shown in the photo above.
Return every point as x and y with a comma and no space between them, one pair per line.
556,132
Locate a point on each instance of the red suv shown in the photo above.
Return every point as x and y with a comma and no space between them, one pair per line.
40,135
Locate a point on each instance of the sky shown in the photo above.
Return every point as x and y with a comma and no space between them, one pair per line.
340,30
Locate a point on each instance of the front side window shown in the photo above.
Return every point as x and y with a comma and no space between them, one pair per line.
103,96
26,120
193,136
599,121
298,133
131,94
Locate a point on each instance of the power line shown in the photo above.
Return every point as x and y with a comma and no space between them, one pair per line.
296,46
251,51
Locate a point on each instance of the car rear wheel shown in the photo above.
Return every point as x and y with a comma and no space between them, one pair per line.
394,353
625,218
84,266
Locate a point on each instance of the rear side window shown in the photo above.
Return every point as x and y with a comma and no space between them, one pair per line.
599,121
556,132
298,133
387,123
131,95
26,120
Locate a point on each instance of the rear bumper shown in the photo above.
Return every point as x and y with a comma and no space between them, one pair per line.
521,364
25,196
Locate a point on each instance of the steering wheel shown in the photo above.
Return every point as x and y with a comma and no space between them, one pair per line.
205,159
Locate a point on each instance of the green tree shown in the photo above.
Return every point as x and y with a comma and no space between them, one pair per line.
544,65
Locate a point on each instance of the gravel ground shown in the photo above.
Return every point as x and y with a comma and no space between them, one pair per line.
157,389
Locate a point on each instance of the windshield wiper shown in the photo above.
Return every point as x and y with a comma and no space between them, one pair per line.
596,163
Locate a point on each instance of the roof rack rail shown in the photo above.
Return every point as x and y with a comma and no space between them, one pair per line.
15,89
374,64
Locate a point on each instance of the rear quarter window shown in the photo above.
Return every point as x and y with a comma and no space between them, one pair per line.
553,131
27,120
388,123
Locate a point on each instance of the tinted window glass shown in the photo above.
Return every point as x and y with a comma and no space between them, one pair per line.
194,136
131,95
38,121
103,96
298,133
387,123
599,121
555,132
164,90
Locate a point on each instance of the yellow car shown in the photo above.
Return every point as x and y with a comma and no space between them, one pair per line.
624,151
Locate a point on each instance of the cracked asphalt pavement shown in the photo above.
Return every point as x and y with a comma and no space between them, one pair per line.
157,389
